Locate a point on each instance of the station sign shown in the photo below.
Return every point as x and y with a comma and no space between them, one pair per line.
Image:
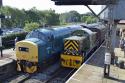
107,58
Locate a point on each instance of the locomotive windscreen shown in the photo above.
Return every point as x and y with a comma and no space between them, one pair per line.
36,34
24,49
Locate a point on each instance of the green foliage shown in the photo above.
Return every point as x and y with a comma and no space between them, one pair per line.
21,17
31,26
69,17
8,41
17,17
51,18
88,19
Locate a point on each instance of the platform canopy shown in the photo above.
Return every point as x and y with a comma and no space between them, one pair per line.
84,2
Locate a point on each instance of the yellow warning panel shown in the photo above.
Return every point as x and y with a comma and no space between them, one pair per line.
26,50
71,61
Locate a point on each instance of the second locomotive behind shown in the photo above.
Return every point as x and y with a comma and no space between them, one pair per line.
82,43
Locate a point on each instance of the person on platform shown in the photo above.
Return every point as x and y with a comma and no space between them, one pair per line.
121,44
124,47
15,41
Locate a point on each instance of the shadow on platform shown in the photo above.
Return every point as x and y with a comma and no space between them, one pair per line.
98,58
115,79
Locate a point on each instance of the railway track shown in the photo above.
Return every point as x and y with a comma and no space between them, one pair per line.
61,76
19,78
58,75
23,77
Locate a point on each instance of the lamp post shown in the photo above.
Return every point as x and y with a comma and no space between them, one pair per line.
2,17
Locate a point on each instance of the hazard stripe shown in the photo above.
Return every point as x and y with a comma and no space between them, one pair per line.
66,42
76,43
72,44
71,48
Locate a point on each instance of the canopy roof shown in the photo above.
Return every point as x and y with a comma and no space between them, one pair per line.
84,2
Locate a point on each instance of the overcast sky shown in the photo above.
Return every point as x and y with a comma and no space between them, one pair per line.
47,4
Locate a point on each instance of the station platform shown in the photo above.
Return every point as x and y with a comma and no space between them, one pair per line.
93,70
7,64
8,53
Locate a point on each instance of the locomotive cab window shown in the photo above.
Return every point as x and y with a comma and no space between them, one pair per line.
23,49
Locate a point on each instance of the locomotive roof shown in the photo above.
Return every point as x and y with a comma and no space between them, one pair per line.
94,25
87,31
46,33
50,30
75,38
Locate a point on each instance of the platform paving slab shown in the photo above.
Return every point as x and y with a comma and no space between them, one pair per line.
8,53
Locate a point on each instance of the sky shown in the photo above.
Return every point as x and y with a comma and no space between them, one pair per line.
46,5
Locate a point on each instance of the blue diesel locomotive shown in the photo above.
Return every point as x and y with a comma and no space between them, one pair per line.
41,47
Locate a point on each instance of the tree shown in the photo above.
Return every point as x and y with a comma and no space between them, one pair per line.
17,17
31,26
69,17
21,17
50,17
87,18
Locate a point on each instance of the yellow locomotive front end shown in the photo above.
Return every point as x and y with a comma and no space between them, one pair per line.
73,55
27,56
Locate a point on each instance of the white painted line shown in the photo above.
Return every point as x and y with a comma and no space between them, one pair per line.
76,79
84,63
